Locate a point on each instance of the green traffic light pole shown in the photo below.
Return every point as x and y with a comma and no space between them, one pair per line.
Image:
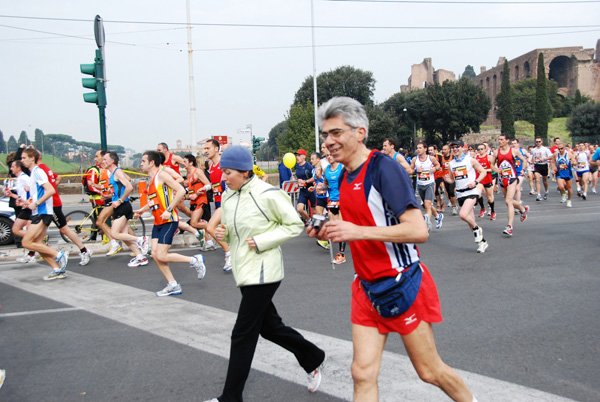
101,97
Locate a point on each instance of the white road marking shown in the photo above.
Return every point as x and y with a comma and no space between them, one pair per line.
208,329
54,310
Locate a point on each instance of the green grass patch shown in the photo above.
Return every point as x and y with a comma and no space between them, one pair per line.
556,128
57,165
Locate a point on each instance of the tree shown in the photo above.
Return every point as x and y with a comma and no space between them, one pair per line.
585,120
469,72
343,81
38,141
382,125
541,102
2,143
12,144
453,109
505,104
408,109
278,130
23,138
523,93
578,100
300,131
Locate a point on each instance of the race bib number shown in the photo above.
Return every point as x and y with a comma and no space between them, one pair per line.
217,189
460,173
581,165
424,175
563,166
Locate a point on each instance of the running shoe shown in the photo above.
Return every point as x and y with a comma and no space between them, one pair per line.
340,258
26,259
315,376
227,266
170,291
539,197
508,231
482,247
439,220
55,274
3,376
524,213
482,213
563,198
569,205
210,245
197,263
114,249
105,239
212,400
545,196
594,190
454,210
493,216
323,244
478,233
489,212
85,257
532,192
584,196
62,258
138,261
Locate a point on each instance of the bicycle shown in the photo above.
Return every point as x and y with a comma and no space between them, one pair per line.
84,223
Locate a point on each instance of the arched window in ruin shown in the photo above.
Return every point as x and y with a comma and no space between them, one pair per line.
527,70
560,68
516,73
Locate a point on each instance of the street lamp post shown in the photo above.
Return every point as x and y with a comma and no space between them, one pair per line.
414,144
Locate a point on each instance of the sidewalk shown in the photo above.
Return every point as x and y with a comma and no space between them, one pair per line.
11,253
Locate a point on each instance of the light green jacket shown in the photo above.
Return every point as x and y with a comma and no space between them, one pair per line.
266,214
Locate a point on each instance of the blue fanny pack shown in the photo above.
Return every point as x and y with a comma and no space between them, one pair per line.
393,296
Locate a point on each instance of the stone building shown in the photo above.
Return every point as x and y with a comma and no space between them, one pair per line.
424,74
572,68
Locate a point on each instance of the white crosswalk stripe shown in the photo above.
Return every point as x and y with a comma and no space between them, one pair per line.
208,329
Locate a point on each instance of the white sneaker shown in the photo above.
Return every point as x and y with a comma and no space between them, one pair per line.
85,257
210,245
569,205
482,247
212,400
563,199
27,259
594,190
138,261
114,248
198,264
315,377
454,210
227,266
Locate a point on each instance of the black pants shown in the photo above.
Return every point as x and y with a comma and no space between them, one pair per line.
257,316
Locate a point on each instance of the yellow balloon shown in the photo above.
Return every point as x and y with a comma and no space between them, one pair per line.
289,160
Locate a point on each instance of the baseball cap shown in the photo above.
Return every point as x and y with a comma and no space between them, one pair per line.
301,152
457,142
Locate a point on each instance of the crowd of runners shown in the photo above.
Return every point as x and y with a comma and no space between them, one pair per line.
452,181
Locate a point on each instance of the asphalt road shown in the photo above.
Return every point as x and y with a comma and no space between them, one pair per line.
521,322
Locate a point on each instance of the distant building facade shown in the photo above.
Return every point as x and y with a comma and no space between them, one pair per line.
424,74
572,68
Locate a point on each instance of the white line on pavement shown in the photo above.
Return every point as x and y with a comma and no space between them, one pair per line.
54,310
208,329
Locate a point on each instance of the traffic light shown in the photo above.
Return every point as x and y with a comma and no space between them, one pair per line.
96,70
256,141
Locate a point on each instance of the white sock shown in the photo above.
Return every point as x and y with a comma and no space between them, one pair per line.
113,242
227,254
173,284
193,260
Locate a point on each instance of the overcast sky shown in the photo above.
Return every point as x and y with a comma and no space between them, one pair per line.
250,57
